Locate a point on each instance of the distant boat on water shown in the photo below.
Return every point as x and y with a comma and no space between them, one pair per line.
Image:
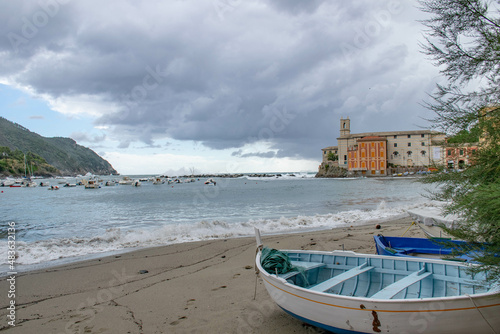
126,181
91,184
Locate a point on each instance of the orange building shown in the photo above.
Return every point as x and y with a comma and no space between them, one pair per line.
368,156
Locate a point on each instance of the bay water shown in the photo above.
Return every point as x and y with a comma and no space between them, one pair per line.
72,224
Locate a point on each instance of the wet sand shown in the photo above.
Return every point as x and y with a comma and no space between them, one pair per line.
199,287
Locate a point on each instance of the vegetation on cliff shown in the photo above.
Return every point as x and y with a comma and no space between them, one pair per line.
15,163
49,156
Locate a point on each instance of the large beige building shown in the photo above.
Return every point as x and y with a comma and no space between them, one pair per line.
418,148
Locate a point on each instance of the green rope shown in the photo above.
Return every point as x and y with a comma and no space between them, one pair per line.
277,262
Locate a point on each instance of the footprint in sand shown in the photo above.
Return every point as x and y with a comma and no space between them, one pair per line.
189,303
220,287
178,321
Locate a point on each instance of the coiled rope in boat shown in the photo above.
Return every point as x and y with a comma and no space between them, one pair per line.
278,262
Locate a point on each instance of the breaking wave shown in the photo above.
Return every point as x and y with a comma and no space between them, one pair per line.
113,240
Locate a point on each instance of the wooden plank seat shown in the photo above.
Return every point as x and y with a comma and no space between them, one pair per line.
306,265
392,289
330,283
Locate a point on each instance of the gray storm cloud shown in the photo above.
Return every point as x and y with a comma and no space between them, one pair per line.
224,73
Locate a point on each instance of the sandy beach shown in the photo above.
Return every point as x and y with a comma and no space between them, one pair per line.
199,287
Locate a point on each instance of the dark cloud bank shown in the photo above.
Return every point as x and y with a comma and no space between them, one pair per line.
224,73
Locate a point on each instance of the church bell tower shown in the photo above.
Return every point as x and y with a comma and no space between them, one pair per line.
345,127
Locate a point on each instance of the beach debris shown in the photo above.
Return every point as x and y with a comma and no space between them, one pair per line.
143,271
378,226
248,267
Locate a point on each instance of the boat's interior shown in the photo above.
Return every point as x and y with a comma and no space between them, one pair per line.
382,278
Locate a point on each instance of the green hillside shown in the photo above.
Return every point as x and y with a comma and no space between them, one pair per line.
64,154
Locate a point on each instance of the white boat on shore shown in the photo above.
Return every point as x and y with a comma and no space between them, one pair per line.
346,292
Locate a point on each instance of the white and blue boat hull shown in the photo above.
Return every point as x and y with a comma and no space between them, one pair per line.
373,294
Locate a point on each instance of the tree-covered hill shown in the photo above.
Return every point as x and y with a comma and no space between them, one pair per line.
64,154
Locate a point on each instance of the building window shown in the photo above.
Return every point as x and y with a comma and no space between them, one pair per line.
345,157
396,153
423,153
461,152
409,153
395,137
422,135
423,143
395,144
382,154
409,144
409,136
449,152
373,154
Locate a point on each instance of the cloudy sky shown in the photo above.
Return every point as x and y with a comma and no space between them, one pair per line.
216,85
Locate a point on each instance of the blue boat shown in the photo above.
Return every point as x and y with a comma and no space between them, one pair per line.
421,247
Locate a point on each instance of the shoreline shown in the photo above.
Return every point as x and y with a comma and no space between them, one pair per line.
52,264
203,286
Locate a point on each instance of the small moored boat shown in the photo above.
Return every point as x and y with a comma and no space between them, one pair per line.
346,292
126,181
91,184
211,181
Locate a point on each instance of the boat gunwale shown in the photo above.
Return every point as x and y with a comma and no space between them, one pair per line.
493,290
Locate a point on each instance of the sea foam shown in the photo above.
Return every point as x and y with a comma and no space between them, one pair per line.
52,251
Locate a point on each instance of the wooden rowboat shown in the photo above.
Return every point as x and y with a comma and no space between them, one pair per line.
346,292
421,247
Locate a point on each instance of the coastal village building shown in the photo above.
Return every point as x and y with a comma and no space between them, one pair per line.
369,154
330,155
460,157
372,153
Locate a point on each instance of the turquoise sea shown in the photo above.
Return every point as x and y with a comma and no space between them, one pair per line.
70,224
